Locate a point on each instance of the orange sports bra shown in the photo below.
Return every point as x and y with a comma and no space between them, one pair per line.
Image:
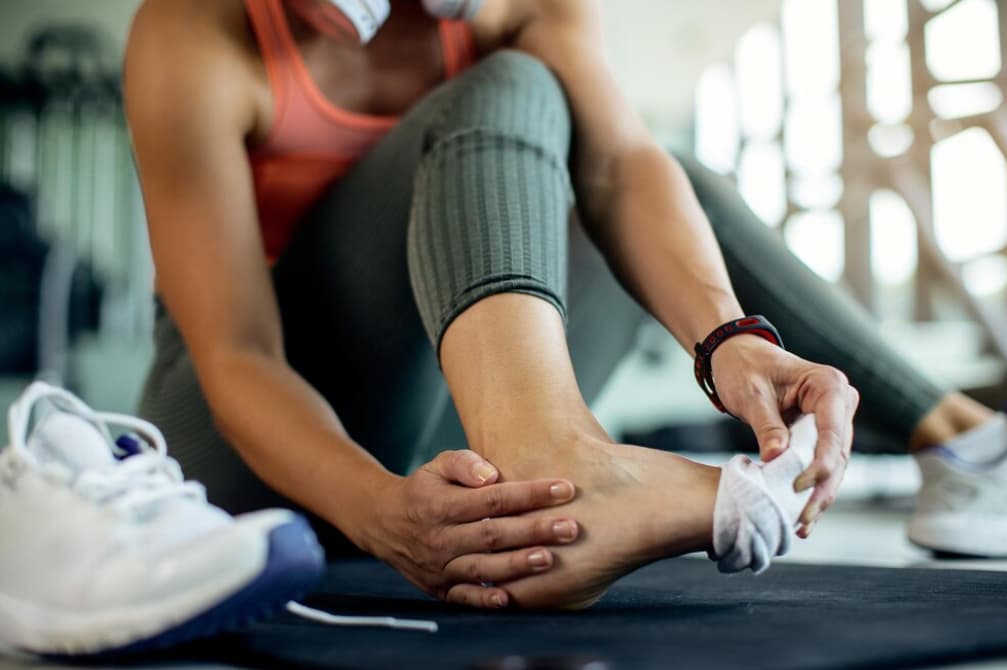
312,142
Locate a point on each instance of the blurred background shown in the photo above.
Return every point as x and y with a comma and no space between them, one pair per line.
870,134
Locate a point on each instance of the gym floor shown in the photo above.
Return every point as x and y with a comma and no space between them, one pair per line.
861,531
866,526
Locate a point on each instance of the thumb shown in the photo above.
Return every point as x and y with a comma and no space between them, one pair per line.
770,430
465,467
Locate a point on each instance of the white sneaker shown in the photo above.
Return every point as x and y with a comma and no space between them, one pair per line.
106,550
962,506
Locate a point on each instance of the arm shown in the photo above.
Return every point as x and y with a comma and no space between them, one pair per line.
641,211
211,271
191,106
637,203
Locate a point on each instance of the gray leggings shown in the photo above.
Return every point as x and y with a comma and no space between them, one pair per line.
467,197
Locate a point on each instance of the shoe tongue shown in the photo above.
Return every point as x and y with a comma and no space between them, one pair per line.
71,441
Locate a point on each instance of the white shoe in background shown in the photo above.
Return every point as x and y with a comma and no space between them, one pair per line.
961,507
105,550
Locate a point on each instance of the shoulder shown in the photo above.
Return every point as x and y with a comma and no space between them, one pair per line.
173,27
188,52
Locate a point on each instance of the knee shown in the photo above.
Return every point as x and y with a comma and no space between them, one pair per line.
513,94
524,75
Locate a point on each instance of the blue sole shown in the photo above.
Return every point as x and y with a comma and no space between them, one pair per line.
294,566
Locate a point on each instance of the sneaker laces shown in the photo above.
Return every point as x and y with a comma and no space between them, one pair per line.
139,483
134,484
140,480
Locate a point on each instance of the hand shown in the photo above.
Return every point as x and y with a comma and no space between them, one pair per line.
442,536
761,383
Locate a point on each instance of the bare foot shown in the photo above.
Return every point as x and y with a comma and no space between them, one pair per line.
513,383
634,505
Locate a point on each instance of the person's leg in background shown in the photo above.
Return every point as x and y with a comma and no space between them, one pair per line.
820,323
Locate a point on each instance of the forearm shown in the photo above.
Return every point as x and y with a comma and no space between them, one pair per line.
290,437
645,218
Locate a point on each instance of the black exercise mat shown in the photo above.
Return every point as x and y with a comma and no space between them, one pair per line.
675,614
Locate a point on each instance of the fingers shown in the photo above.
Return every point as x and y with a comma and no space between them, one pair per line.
834,421
832,400
477,596
464,467
508,499
770,430
503,567
513,532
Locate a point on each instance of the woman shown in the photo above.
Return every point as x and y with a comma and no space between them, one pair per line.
346,228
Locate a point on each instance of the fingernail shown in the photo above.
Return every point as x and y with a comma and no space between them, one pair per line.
484,472
802,483
538,559
561,491
498,600
565,530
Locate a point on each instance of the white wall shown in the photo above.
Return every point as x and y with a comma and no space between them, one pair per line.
660,47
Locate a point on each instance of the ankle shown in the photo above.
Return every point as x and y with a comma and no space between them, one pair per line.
536,448
687,523
953,415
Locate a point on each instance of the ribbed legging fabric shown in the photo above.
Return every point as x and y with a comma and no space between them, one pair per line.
469,196
492,194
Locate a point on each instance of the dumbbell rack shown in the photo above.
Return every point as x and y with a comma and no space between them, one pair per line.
64,143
